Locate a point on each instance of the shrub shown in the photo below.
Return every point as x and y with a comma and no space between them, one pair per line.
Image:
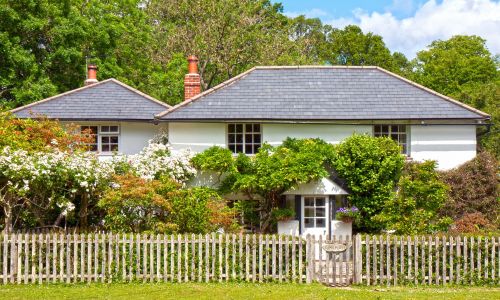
474,188
371,166
134,204
283,214
200,210
420,196
473,223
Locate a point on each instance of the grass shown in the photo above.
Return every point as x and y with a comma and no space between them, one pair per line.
216,291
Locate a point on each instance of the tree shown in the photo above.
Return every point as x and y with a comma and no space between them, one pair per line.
44,46
228,36
350,46
420,196
272,171
371,166
464,69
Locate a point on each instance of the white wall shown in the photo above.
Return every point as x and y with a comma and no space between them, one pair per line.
197,136
133,135
274,134
449,145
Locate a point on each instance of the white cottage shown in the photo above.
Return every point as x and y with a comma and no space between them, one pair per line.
268,104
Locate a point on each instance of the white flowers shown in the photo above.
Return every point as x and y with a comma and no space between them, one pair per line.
158,159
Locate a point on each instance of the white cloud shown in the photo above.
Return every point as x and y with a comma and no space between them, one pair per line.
432,21
404,6
312,13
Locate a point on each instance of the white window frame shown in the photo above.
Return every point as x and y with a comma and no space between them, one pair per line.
105,134
315,207
244,133
405,146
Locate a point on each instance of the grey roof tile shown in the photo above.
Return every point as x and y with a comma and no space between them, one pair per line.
320,94
106,100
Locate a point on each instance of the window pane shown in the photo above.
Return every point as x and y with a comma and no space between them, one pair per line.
248,138
309,223
385,129
113,128
308,201
308,212
239,148
105,139
114,147
320,212
104,128
320,201
320,222
114,139
394,136
394,128
248,127
248,149
256,148
377,129
239,138
105,148
256,138
93,148
256,127
232,147
231,128
231,138
239,128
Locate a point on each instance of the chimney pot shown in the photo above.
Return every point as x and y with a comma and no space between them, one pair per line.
91,74
192,82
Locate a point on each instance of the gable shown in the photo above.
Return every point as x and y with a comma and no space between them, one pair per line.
320,93
106,100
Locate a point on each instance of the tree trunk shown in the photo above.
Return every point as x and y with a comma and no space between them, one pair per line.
84,211
7,209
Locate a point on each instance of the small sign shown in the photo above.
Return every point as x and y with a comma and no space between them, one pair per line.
334,247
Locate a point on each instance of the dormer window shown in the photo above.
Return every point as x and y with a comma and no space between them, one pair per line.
396,132
244,137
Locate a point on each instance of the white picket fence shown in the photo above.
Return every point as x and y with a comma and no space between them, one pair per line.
368,260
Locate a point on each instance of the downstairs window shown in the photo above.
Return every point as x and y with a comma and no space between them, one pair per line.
105,138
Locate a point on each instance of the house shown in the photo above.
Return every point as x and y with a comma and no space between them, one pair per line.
121,117
269,104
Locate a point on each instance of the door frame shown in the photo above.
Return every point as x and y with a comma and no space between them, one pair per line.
327,228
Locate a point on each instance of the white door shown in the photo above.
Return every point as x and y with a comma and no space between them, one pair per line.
315,215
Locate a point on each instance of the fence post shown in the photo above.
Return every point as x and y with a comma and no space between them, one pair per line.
309,259
358,264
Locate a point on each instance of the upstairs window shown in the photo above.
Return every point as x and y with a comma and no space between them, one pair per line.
396,132
105,138
244,138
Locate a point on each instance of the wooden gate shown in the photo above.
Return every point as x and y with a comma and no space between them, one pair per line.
332,261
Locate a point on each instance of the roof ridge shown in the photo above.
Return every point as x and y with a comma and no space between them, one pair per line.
314,67
444,97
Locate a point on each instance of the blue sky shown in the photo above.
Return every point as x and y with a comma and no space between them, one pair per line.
408,25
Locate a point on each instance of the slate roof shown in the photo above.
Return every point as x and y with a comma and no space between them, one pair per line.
106,100
307,93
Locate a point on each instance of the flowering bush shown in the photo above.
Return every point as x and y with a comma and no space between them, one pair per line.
41,182
347,214
157,160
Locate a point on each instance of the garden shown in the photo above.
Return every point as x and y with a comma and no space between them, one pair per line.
141,218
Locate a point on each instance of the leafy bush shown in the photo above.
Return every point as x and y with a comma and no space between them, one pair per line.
283,214
200,210
420,196
474,188
371,166
473,223
134,204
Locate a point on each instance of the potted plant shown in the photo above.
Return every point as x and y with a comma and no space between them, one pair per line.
347,214
283,214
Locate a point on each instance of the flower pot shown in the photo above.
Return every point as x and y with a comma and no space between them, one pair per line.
347,219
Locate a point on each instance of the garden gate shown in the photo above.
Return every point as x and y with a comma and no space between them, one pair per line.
333,261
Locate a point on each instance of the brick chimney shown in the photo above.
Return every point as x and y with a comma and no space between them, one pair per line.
192,83
91,75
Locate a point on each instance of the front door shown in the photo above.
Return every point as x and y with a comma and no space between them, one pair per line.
314,215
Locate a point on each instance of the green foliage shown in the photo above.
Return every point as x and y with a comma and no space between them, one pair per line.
137,205
215,159
415,209
371,166
348,214
200,210
282,214
464,69
474,188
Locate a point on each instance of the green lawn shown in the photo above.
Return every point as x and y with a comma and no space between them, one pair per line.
215,291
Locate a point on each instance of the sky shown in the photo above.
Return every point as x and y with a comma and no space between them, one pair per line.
408,26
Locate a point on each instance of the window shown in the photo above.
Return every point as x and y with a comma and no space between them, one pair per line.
105,138
395,132
244,138
314,212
